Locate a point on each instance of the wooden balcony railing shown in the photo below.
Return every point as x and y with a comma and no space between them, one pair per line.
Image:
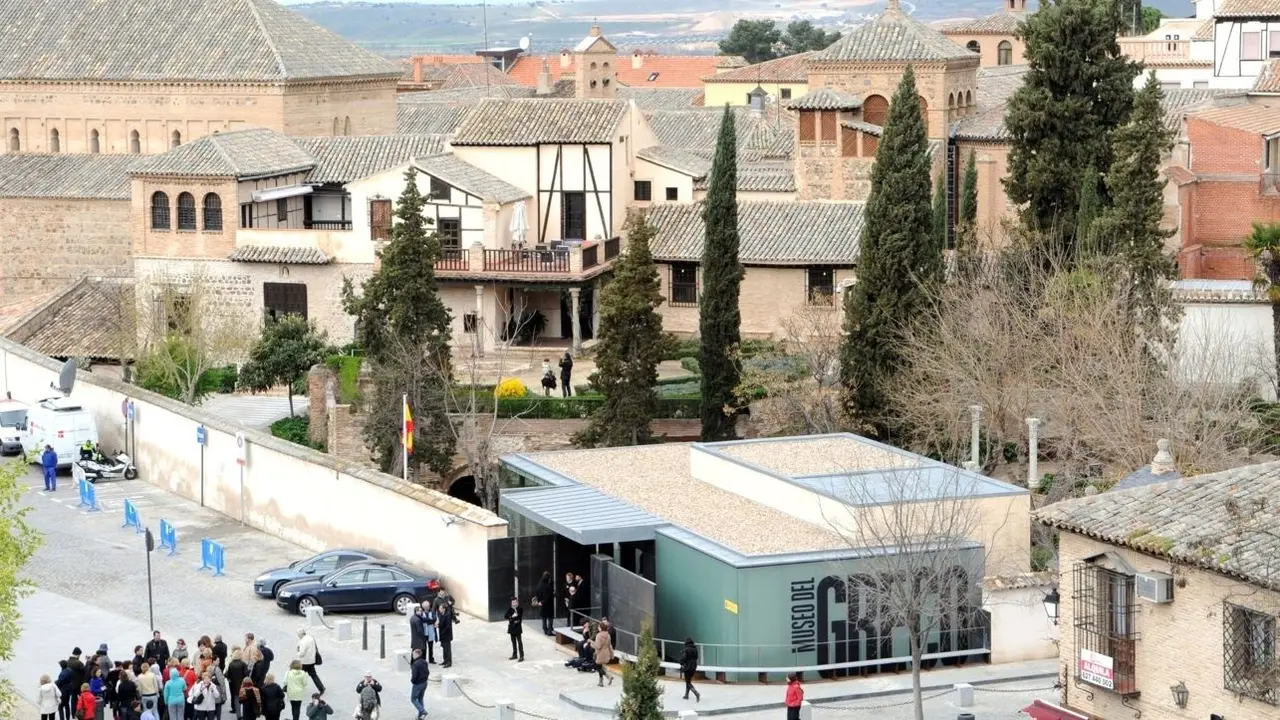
527,261
452,259
611,248
589,256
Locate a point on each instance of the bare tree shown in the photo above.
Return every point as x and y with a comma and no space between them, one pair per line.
800,397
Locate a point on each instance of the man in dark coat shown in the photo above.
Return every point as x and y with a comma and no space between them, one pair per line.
515,628
566,374
263,666
220,652
158,648
80,673
419,674
417,632
444,626
546,597
138,659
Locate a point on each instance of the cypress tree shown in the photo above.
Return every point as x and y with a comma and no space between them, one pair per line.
720,320
940,211
641,694
1131,226
630,346
1087,209
968,223
1077,90
899,263
404,329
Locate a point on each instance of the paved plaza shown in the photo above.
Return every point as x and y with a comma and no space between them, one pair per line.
91,575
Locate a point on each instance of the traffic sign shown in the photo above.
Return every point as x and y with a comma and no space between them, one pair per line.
242,449
202,436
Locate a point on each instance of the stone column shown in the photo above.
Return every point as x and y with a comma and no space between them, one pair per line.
1033,452
975,438
574,315
481,330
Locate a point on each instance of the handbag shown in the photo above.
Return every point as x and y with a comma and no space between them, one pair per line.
319,660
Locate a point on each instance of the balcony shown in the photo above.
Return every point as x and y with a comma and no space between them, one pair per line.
1157,52
538,261
328,225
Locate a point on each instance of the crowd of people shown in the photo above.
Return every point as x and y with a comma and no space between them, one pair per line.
160,683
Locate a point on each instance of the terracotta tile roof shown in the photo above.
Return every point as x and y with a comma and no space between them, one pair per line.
259,152
59,175
174,40
1248,9
1205,31
825,99
473,76
792,68
995,87
1226,522
772,233
535,121
1177,101
893,36
465,176
1269,79
1001,23
1258,119
670,71
15,308
647,99
343,159
279,255
865,127
1179,175
88,319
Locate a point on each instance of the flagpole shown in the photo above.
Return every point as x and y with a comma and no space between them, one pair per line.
404,436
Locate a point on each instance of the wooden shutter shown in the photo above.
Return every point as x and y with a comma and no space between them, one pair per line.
380,219
848,142
808,126
875,110
280,299
829,127
869,144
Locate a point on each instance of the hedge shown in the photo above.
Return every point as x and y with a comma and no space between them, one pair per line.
560,408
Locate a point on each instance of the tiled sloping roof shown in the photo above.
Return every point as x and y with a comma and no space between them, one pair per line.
1142,477
792,68
759,136
662,98
894,35
825,99
1227,522
1001,23
343,159
760,177
173,40
58,175
768,138
865,127
242,154
1250,118
534,121
995,87
670,71
474,76
772,233
280,255
429,118
1205,31
1177,101
468,177
1247,9
677,159
463,95
84,321
1269,79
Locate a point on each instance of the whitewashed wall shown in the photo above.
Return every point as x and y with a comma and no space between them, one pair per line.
1228,342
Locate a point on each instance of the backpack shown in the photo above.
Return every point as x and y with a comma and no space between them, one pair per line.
368,698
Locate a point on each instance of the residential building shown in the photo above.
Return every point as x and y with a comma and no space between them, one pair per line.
1168,598
1179,51
994,38
782,79
637,69
1227,44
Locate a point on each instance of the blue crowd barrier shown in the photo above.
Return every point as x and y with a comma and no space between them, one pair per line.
168,536
131,517
212,557
88,496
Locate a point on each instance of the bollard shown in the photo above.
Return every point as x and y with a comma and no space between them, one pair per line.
382,643
451,689
964,692
343,628
505,710
364,642
315,616
806,710
966,716
688,715
403,658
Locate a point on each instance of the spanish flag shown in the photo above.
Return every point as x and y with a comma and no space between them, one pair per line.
407,438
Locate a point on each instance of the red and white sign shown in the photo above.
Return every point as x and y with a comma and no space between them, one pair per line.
1097,669
242,449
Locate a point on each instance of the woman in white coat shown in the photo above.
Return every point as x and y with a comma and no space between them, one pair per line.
50,696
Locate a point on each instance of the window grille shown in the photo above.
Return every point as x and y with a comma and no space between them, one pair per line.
1105,614
1249,654
684,284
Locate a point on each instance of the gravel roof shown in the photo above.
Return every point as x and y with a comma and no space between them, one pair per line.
1227,522
280,255
535,121
65,175
1001,23
817,455
259,152
772,232
465,176
893,36
174,40
825,99
343,159
657,479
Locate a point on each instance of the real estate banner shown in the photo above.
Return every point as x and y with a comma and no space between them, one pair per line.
1097,669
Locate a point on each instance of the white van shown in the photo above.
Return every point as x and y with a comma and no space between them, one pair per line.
62,423
13,421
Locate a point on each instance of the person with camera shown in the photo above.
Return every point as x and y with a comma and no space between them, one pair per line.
318,709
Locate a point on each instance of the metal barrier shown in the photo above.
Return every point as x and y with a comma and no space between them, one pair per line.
131,517
168,536
212,557
88,496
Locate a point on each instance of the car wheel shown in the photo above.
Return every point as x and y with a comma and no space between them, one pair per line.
275,589
130,474
403,603
305,602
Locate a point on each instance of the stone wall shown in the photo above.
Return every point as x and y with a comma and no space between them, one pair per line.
50,242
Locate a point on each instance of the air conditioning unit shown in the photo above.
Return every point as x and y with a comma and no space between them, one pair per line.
1156,587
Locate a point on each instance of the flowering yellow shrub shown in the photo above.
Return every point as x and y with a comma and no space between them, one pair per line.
510,388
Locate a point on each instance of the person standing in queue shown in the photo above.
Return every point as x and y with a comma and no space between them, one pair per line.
545,598
795,697
515,628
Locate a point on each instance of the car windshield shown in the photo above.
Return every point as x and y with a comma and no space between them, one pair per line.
12,418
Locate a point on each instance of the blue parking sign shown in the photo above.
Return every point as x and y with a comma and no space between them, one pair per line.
202,436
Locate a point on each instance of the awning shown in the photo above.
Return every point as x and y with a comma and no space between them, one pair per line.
582,514
281,193
1041,710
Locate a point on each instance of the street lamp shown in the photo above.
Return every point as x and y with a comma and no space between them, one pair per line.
1051,605
151,613
1180,694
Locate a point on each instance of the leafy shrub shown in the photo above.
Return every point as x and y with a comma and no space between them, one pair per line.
347,368
554,408
691,364
674,348
526,327
689,388
1040,559
295,430
222,380
511,388
790,367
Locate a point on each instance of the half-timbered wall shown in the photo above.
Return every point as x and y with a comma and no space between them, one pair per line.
1234,65
453,208
575,197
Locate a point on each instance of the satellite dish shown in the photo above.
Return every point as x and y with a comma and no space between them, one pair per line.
524,43
66,377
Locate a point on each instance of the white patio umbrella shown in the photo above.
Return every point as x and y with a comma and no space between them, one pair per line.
519,225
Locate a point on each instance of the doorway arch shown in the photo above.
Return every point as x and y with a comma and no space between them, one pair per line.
464,489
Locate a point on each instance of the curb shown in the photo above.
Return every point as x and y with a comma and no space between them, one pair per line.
924,688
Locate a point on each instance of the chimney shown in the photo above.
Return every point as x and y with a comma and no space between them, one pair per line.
417,70
1162,463
757,99
545,83
637,60
565,59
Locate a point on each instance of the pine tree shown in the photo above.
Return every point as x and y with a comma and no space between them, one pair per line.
641,695
720,320
404,329
1131,226
899,264
629,347
940,211
1077,91
968,223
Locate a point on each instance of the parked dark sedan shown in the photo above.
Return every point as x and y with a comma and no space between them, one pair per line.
269,583
371,585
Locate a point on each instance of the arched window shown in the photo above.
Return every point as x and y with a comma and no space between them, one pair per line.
1004,53
213,212
593,66
175,139
186,212
606,66
15,140
875,110
337,127
973,46
159,211
55,141
93,141
346,126
951,103
135,142
606,82
968,98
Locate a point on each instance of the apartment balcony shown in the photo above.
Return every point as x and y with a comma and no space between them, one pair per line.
1160,52
540,262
